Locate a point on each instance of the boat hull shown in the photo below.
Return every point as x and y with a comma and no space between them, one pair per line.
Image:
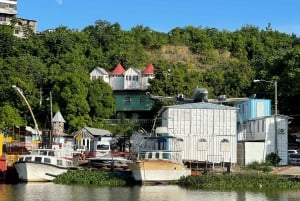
38,172
157,171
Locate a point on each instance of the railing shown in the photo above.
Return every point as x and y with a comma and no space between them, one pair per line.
141,122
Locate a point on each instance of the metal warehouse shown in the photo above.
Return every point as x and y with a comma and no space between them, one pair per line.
209,131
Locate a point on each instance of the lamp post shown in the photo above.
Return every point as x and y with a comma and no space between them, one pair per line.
276,110
22,95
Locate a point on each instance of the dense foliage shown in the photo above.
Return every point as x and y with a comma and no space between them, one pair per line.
60,61
252,182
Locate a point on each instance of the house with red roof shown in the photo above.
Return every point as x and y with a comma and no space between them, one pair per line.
129,88
121,79
147,74
116,78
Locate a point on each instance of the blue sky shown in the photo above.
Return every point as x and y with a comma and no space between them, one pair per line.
164,15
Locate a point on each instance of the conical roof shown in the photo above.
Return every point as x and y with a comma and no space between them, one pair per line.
119,69
58,118
149,69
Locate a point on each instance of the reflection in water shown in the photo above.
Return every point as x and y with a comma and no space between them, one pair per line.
51,192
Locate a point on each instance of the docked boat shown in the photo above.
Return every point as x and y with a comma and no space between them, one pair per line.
158,159
42,165
109,161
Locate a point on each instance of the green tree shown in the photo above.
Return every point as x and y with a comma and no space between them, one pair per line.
70,93
101,101
10,116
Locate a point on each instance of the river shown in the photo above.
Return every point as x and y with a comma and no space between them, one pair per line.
54,192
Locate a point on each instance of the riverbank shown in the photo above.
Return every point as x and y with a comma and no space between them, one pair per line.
245,181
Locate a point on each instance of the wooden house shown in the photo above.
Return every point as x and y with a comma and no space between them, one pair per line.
99,73
116,78
86,138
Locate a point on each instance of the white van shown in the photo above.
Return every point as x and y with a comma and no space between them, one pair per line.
102,148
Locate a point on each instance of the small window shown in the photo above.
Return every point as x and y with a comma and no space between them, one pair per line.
59,162
38,159
127,100
202,145
225,145
166,156
102,147
142,100
149,155
142,156
47,160
156,155
28,159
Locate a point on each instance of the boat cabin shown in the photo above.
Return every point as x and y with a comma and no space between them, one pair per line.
46,156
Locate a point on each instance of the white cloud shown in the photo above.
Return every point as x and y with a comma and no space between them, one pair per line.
59,1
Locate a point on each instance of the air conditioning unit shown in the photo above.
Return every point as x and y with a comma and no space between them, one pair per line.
281,131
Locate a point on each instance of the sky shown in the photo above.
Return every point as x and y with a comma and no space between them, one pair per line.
164,15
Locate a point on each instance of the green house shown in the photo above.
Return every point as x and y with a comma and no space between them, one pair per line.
133,103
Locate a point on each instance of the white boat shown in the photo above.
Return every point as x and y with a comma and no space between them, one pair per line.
110,161
158,166
42,165
158,159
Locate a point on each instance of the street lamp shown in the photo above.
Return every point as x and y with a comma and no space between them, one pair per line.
35,123
276,111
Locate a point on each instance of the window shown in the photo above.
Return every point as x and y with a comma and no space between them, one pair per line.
38,159
142,156
127,100
166,156
157,155
142,100
59,162
225,145
47,160
27,159
102,147
202,145
51,153
135,78
263,126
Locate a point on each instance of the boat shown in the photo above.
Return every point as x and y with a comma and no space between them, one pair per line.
109,161
43,165
158,158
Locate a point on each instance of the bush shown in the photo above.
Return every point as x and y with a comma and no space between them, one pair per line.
264,167
273,159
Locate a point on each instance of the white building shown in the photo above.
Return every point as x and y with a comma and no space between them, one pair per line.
262,136
116,78
132,79
8,16
99,73
209,131
121,79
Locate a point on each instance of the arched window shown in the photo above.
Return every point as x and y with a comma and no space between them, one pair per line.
225,145
202,145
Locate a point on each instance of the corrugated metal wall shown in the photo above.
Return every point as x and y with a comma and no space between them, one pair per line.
254,108
203,131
